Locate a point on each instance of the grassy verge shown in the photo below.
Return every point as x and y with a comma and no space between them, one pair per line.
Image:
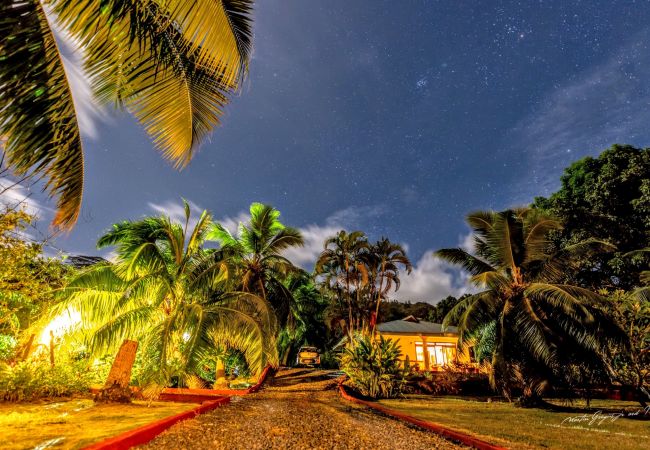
76,423
507,425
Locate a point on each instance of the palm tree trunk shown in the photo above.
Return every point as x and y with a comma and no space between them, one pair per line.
220,375
349,298
381,282
116,388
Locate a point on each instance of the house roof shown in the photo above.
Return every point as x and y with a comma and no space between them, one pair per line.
82,261
414,325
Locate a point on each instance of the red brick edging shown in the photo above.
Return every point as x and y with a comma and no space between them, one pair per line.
145,433
442,430
210,398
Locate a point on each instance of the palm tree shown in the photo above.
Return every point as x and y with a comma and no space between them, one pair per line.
385,259
343,266
173,64
540,326
172,296
256,251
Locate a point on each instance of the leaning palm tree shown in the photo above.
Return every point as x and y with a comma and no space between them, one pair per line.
173,64
172,296
342,265
256,251
540,326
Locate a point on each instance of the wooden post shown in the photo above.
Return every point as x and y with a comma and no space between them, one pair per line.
51,348
116,388
425,352
28,347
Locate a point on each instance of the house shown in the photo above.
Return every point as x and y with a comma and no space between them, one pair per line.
425,343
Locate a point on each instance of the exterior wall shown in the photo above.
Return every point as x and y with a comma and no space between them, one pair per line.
407,343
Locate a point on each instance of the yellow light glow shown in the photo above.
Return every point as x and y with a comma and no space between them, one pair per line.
59,326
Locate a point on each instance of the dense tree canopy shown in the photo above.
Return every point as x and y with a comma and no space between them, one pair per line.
607,198
27,278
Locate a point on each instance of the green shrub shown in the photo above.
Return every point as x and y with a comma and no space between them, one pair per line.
30,380
329,360
8,345
374,367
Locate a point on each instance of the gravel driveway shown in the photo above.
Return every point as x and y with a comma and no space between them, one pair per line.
301,409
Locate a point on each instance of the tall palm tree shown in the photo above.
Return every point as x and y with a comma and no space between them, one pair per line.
256,250
343,266
540,326
173,296
173,64
385,259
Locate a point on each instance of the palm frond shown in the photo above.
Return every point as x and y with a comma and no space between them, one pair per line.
37,114
460,257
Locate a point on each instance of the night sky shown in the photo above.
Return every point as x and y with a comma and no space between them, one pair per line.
396,118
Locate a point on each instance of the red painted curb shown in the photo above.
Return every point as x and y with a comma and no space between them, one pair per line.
145,433
210,398
442,430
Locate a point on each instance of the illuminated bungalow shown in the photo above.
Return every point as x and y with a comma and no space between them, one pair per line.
425,343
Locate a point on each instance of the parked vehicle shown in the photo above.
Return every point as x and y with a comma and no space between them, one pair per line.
308,356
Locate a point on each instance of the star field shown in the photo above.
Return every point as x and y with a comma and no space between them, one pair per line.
410,113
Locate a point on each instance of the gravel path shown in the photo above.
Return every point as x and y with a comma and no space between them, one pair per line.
300,410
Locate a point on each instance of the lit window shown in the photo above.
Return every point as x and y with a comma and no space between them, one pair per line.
419,352
441,354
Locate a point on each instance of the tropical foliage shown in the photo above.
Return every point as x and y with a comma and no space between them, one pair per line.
172,64
374,367
542,327
632,312
175,297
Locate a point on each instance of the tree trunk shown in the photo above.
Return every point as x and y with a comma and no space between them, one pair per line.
28,347
116,388
220,381
285,357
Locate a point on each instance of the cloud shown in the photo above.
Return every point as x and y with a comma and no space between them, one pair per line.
17,195
314,235
232,223
175,210
607,104
466,242
431,280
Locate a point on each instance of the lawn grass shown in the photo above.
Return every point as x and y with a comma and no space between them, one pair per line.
507,425
75,423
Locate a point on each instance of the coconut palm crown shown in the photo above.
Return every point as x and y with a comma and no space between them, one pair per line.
172,296
256,251
539,325
173,64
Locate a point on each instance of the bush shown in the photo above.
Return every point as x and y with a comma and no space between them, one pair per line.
454,380
30,380
329,360
374,367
